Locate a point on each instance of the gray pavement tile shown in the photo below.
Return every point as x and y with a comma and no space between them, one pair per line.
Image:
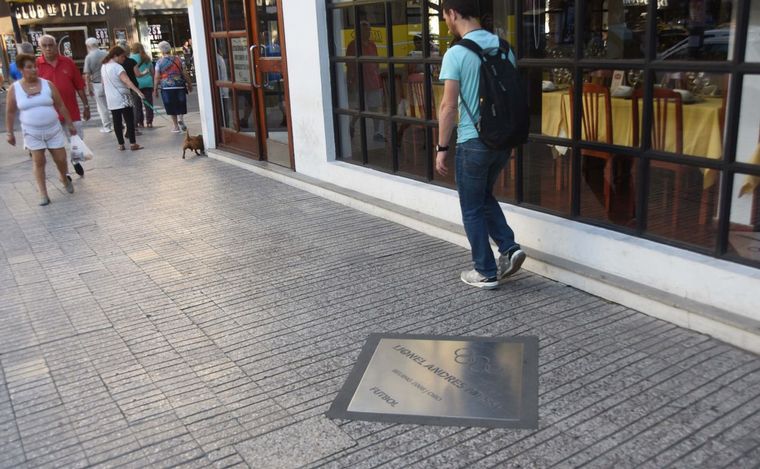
160,318
293,445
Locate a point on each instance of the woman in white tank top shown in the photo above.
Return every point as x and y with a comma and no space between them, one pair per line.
36,101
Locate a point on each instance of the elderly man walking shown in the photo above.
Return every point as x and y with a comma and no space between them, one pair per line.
64,74
94,82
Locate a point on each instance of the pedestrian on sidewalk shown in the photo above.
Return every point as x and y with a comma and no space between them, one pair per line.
130,66
117,87
35,100
476,166
92,64
175,85
145,83
23,48
64,74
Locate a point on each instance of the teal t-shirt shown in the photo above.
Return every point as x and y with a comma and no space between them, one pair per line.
462,65
145,81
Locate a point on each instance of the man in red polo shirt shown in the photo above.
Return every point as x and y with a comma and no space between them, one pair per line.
65,75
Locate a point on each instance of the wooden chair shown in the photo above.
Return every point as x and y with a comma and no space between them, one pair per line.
415,93
661,124
590,125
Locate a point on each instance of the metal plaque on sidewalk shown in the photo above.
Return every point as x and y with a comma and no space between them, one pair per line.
443,380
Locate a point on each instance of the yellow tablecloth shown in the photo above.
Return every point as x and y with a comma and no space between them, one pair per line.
701,125
752,181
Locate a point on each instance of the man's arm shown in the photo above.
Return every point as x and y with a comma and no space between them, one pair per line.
79,85
83,96
447,119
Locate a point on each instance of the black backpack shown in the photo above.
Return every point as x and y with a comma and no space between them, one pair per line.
504,116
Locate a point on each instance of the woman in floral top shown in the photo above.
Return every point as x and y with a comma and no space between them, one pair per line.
174,84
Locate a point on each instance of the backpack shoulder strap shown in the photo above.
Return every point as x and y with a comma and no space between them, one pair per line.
471,45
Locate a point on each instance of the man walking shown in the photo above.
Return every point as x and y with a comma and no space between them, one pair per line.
94,82
476,166
64,74
23,48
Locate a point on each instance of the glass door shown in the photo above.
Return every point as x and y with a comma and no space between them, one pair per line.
271,72
235,90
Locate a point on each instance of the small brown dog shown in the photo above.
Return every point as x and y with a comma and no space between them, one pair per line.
193,144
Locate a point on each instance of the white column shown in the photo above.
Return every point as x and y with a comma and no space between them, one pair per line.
308,57
203,76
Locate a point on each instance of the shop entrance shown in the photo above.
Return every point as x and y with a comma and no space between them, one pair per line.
248,65
70,41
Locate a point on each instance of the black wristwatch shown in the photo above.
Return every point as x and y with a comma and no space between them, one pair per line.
441,148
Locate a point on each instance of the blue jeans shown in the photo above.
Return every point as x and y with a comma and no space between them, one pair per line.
477,168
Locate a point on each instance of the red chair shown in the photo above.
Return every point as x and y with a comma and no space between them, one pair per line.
590,125
662,100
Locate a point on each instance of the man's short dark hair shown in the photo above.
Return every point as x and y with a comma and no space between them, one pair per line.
467,8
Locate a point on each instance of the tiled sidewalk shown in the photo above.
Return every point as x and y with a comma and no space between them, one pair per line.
191,313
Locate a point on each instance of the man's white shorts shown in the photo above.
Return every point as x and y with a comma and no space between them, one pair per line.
42,139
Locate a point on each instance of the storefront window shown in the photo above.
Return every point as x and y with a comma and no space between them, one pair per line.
744,230
625,142
689,30
343,21
681,203
608,187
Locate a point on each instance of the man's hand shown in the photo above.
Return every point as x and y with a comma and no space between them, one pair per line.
155,93
11,139
72,129
440,163
189,87
86,113
92,93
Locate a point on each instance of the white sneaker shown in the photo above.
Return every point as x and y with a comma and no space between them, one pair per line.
105,130
476,279
510,263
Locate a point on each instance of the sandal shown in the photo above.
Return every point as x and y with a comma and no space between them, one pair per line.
135,147
121,147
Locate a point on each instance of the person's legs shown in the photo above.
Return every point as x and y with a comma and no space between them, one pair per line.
148,92
472,163
117,126
498,228
59,158
38,165
129,117
103,112
181,101
137,107
170,106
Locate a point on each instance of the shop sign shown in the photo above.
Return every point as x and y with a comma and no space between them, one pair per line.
60,10
34,38
240,59
643,3
10,46
101,34
154,33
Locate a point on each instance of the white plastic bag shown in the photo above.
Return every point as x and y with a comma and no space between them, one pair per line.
79,150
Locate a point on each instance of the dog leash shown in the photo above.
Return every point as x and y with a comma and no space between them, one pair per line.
156,112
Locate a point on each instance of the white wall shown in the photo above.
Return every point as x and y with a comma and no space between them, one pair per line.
202,73
688,275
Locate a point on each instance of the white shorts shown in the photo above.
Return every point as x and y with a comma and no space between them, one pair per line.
42,139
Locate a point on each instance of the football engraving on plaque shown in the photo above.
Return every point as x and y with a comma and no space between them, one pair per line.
443,380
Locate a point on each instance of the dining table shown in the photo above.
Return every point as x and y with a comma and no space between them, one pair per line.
702,134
